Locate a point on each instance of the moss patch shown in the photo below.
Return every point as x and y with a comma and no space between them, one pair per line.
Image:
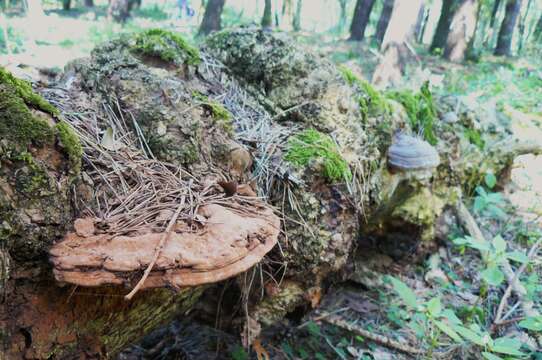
24,90
310,145
421,110
371,101
218,111
167,46
18,124
71,144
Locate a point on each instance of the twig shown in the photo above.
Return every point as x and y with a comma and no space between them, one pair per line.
158,249
379,339
513,282
470,225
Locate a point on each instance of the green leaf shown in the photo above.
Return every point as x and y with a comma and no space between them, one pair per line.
517,256
404,292
434,307
493,276
479,244
508,346
496,212
480,190
490,180
490,356
479,204
470,335
445,328
452,318
499,244
533,323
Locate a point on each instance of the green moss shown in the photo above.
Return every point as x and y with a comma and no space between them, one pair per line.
24,90
71,144
167,46
18,124
421,110
218,111
371,101
312,145
35,179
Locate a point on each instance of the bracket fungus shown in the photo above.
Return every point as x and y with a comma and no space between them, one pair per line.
410,153
224,242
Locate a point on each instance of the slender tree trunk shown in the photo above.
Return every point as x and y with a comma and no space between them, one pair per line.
296,24
66,4
418,30
461,31
343,16
211,18
494,11
522,27
89,3
421,35
267,18
383,21
118,10
506,32
360,19
443,27
537,35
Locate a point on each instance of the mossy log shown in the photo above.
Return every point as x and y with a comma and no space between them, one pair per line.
318,134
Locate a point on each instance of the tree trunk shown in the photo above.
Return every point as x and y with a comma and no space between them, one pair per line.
211,18
461,31
118,10
444,23
34,9
494,11
89,3
522,27
537,35
66,4
420,23
506,32
394,45
383,21
360,19
267,21
296,23
342,16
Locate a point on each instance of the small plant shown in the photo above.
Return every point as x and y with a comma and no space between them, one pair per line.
421,110
489,203
429,319
310,145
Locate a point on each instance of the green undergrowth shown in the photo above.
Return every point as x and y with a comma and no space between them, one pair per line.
421,110
311,145
71,144
371,101
166,46
24,90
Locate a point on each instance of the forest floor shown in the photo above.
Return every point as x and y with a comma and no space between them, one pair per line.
371,303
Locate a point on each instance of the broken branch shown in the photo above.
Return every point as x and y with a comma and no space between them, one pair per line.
379,339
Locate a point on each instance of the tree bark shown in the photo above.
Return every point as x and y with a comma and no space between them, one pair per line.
211,18
360,20
494,11
537,35
383,21
89,3
118,10
420,23
522,27
343,16
296,23
443,27
267,21
66,4
506,32
394,45
461,31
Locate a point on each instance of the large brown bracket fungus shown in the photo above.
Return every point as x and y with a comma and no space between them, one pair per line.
223,244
